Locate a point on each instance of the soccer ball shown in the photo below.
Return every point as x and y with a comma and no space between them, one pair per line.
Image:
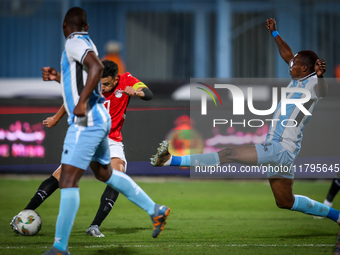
28,223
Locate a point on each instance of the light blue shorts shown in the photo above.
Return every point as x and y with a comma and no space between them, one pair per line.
85,144
276,158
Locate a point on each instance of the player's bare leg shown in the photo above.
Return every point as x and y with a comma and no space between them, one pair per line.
283,192
285,199
243,154
56,173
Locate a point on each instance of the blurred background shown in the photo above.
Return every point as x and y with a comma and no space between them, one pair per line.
163,43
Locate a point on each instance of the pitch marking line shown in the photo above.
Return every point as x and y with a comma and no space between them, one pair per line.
182,245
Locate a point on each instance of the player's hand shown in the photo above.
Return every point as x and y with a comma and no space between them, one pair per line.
49,73
320,67
80,109
50,122
271,25
130,91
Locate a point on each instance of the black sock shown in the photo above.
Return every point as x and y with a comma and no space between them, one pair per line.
45,189
107,201
335,187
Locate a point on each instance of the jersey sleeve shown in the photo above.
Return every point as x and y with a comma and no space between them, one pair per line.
133,82
77,48
139,85
312,88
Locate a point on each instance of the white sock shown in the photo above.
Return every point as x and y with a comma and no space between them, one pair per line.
326,202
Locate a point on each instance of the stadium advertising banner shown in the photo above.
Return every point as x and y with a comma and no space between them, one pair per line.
26,145
240,112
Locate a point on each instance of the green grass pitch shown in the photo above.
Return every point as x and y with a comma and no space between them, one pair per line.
207,217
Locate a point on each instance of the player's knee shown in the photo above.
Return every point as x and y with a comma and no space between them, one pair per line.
118,164
227,154
102,176
69,183
283,204
121,170
101,172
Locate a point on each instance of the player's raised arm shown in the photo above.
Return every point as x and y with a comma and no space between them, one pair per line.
322,87
52,121
50,74
284,49
95,68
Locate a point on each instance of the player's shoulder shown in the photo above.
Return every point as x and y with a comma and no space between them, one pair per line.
308,78
128,79
312,78
309,82
126,75
79,39
74,37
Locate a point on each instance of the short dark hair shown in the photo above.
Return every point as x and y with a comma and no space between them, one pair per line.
76,17
110,69
308,58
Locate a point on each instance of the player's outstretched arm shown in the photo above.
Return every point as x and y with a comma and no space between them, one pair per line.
322,87
50,74
52,121
284,49
95,72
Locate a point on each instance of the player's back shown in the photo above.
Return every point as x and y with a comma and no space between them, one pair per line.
73,79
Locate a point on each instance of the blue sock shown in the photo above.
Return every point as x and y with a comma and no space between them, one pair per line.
309,206
69,204
208,159
125,185
333,214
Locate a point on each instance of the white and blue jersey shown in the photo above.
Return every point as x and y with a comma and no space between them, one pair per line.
283,141
73,79
289,133
86,138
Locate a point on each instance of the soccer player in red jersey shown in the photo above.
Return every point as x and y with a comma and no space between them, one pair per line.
117,89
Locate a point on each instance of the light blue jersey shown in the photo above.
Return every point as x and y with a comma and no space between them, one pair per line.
289,133
73,79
